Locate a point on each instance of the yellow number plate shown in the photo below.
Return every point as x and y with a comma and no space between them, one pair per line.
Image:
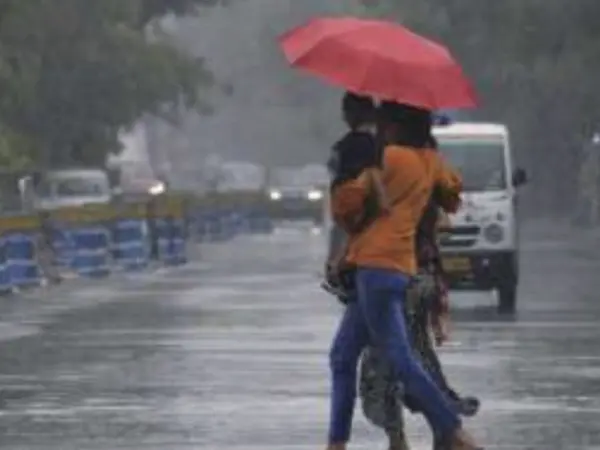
456,264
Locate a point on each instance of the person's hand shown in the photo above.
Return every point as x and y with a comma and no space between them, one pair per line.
332,270
385,209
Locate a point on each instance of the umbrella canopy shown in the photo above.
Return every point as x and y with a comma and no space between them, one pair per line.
378,58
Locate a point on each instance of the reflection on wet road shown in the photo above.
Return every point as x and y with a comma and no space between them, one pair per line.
230,352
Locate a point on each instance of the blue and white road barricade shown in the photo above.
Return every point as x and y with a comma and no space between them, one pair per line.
92,251
130,243
5,285
19,256
21,260
220,224
259,221
210,226
97,240
169,223
63,247
170,233
84,238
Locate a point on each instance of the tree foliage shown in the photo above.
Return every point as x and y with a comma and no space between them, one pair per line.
151,9
533,63
73,73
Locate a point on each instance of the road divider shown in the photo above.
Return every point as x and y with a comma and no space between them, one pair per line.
96,241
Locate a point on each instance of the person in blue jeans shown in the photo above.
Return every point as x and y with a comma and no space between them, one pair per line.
383,254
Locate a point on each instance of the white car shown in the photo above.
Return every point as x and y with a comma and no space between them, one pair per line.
480,248
71,187
290,203
297,193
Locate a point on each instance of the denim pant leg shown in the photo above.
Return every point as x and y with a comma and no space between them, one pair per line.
350,339
380,296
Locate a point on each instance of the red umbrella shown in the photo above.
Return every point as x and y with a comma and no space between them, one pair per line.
381,59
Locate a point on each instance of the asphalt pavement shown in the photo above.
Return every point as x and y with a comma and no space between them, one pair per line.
230,352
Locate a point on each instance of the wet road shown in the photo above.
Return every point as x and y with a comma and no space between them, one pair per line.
230,352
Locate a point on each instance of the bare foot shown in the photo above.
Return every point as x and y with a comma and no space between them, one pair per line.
336,447
462,440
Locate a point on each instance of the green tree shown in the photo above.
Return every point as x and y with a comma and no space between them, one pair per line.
74,73
16,150
151,9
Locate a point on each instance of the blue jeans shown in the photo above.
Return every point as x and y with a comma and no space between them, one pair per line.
376,318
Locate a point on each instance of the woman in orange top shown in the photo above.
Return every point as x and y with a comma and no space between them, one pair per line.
385,260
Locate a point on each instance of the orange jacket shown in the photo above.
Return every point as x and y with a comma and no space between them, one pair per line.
408,176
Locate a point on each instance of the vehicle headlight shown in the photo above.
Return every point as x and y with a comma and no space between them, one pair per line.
315,195
275,195
157,189
493,233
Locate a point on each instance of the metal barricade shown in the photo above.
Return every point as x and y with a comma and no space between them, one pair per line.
92,251
5,285
131,250
21,260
